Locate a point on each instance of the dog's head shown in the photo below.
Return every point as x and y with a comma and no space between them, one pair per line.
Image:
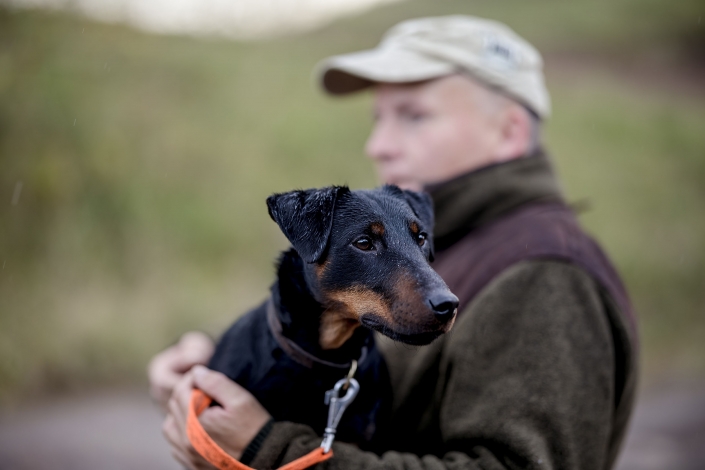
367,256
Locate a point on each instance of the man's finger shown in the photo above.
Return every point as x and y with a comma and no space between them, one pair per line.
217,385
167,367
196,347
171,433
162,377
176,413
213,417
182,393
164,372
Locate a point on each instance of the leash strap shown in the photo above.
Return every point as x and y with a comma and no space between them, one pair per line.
209,450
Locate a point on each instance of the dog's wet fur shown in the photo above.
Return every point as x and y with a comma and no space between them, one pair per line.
360,261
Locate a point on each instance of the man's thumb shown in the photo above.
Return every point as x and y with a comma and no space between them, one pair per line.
216,385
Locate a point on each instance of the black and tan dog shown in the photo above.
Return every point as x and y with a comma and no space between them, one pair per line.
359,258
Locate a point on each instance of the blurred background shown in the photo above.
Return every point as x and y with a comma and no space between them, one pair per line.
139,140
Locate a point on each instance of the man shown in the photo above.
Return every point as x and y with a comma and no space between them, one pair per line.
540,368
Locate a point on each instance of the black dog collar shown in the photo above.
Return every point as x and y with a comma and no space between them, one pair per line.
295,351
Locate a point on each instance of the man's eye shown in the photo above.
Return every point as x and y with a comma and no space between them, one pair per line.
415,117
421,238
364,244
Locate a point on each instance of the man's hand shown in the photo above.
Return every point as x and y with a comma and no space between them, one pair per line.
168,367
232,425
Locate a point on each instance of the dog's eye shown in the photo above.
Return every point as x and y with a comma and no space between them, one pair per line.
421,238
364,244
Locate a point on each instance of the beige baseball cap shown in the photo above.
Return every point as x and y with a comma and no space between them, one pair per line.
426,48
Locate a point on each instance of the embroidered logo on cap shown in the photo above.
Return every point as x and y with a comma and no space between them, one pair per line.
499,53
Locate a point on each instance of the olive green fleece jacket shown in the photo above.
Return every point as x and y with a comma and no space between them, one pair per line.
525,379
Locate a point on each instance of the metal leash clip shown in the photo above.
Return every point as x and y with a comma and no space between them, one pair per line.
336,407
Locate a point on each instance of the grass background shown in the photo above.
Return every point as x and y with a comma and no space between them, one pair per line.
134,168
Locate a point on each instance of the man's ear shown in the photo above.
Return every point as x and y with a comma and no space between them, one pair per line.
422,205
306,217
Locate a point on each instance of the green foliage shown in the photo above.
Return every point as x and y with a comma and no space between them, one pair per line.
138,166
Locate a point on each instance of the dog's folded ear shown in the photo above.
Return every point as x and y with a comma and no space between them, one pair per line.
422,205
306,217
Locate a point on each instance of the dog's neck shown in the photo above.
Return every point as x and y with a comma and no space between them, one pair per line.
300,313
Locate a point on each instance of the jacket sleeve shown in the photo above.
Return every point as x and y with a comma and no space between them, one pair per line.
526,381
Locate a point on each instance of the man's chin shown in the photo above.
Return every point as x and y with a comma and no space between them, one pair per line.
411,186
404,183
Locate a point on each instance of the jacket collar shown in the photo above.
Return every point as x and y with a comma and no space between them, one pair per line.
475,198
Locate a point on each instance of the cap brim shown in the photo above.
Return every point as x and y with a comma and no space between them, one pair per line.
353,72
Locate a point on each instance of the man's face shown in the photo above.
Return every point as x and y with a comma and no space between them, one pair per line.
432,131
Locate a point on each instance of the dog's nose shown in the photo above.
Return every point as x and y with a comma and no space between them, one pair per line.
443,304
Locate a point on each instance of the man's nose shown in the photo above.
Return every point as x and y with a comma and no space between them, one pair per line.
382,143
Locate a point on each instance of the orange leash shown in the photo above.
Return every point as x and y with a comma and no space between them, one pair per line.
209,450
